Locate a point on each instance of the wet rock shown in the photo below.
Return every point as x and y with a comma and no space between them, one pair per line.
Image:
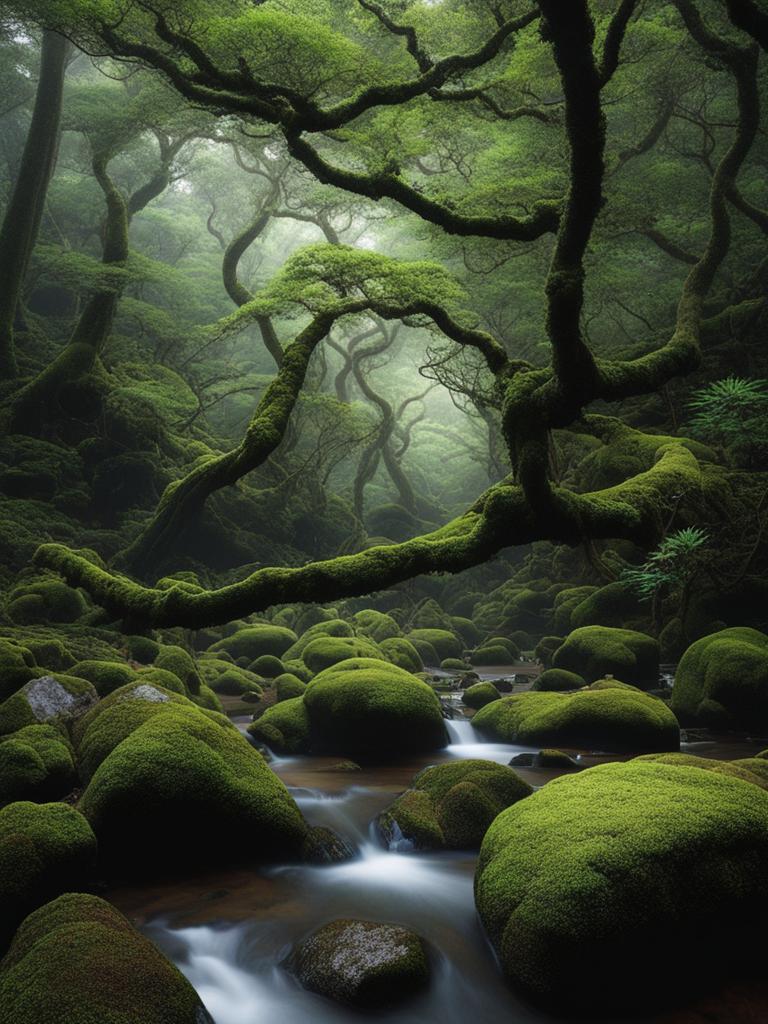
545,759
324,846
344,766
362,963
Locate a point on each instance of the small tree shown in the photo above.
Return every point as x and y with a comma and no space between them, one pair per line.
733,411
669,570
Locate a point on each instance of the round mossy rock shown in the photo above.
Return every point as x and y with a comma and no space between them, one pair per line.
284,728
613,719
253,641
105,676
330,627
186,785
450,806
267,666
362,963
597,651
373,709
325,651
288,686
728,669
444,643
181,664
36,763
45,849
479,695
558,679
402,652
17,666
59,698
377,626
623,872
78,960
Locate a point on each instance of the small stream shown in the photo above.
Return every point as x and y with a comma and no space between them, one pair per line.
230,931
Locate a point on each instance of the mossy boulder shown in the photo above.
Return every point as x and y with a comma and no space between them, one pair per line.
480,694
329,627
722,680
544,651
558,679
493,654
47,600
450,806
17,666
253,641
325,651
185,785
362,963
614,719
445,643
267,666
105,676
143,649
623,872
209,701
377,626
60,698
467,630
401,652
45,849
182,664
284,727
749,769
36,763
78,960
373,709
288,686
549,758
161,677
427,654
453,665
596,651
50,652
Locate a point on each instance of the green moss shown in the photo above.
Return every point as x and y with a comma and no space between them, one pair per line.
52,601
36,763
467,630
284,727
403,653
493,654
450,806
267,666
362,964
596,651
325,651
728,669
480,694
105,676
184,784
253,641
234,682
447,645
288,686
749,769
143,649
558,679
45,849
544,650
207,699
373,709
377,626
329,627
298,668
52,698
17,666
50,652
78,960
625,871
161,677
453,665
597,719
612,605
182,664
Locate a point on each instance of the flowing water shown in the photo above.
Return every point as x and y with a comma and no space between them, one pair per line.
230,932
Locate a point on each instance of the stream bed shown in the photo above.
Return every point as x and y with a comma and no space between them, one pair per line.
230,931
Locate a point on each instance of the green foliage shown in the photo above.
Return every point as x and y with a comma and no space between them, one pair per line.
36,763
284,728
732,410
596,651
670,566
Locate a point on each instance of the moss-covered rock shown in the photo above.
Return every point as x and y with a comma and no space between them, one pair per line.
453,665
17,666
467,630
45,849
253,641
209,701
328,627
50,652
143,649
749,769
48,600
722,680
325,651
493,654
544,651
596,651
450,806
362,964
184,784
36,763
621,872
480,694
105,676
77,960
267,666
373,709
401,652
288,686
444,643
182,664
284,727
612,719
60,698
377,626
558,679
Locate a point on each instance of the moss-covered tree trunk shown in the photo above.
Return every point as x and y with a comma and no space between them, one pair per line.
21,223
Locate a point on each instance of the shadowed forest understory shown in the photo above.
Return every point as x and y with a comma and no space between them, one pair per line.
383,511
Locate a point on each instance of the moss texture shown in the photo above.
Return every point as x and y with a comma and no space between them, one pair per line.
55,698
288,686
36,763
368,708
445,643
480,694
325,651
185,784
362,963
611,719
596,651
558,679
267,666
45,849
625,871
253,641
450,806
284,728
182,664
78,960
105,676
17,666
722,679
493,654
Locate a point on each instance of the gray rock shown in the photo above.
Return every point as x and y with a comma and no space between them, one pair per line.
49,699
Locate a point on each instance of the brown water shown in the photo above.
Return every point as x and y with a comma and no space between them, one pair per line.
230,930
